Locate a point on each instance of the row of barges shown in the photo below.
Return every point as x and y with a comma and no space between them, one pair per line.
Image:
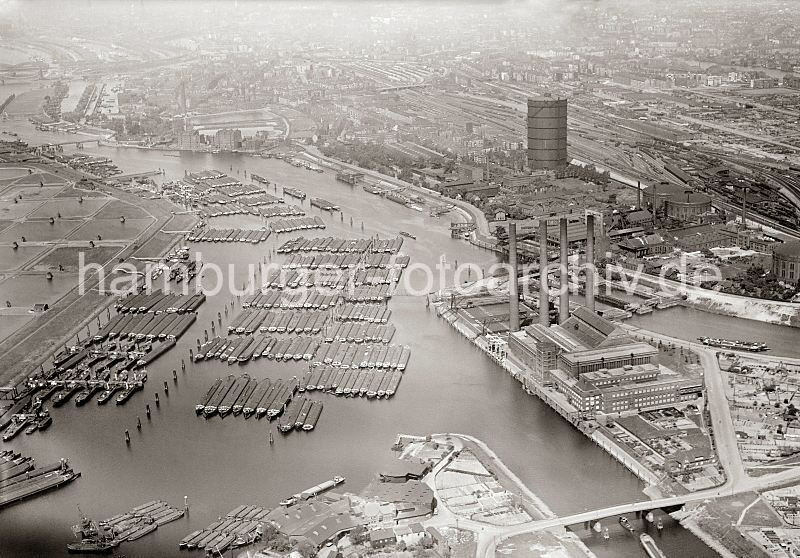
345,261
341,245
315,299
296,224
294,192
246,396
273,321
300,414
244,349
146,326
363,313
324,204
359,332
241,526
21,479
351,355
158,301
369,382
230,235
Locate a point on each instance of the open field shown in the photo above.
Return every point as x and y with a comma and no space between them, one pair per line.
26,290
12,260
69,257
111,229
28,193
116,209
39,178
68,208
18,210
38,231
12,172
10,324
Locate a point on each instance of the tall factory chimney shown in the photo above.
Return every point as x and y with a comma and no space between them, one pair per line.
547,133
744,209
563,301
513,293
590,261
544,303
638,194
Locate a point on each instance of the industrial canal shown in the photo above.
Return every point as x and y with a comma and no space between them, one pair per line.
449,385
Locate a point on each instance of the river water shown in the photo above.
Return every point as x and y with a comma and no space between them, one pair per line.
449,385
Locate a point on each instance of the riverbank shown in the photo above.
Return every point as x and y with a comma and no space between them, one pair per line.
756,309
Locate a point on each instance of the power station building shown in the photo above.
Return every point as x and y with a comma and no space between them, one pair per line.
547,133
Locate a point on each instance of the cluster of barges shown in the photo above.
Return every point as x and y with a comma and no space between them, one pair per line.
324,204
341,245
312,299
240,527
294,192
20,478
363,332
266,321
750,346
254,236
296,224
281,211
246,348
102,538
345,261
141,520
369,383
353,355
246,396
300,414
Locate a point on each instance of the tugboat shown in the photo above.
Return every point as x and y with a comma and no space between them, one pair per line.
625,523
41,422
92,539
45,420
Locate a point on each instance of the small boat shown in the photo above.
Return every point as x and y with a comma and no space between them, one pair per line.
408,235
44,422
292,500
659,524
625,523
106,396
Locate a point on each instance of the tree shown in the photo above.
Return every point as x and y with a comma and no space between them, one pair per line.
306,549
270,532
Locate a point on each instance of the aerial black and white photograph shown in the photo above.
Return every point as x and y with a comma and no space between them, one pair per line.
400,278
